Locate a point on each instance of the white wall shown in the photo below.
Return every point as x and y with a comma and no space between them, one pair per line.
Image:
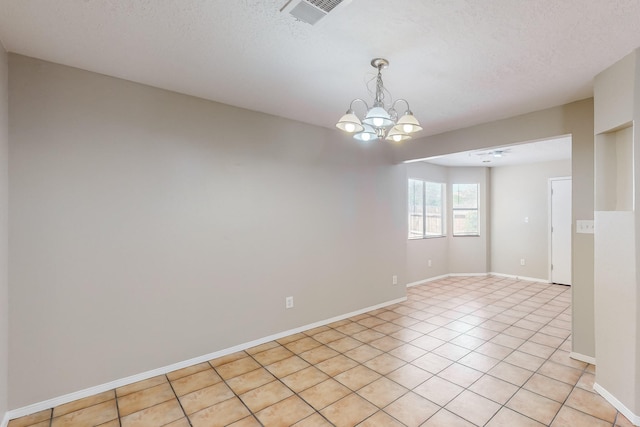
520,192
4,235
149,227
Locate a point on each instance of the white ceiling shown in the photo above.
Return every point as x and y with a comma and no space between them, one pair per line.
509,155
458,62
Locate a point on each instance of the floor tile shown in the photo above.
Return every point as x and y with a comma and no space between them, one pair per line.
92,415
568,417
304,379
460,375
266,395
302,345
325,393
285,413
407,352
272,355
349,411
344,344
509,418
235,368
157,415
218,415
380,419
411,409
32,419
409,376
534,406
473,407
328,336
357,377
524,360
363,353
493,388
336,365
76,405
510,373
318,354
382,392
189,370
438,390
313,420
253,379
548,387
223,360
560,372
141,385
143,399
384,364
592,404
205,397
195,382
386,343
287,366
432,363
444,418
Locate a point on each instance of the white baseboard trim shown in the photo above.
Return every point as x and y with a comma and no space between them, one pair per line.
582,358
56,401
430,279
513,276
467,274
635,419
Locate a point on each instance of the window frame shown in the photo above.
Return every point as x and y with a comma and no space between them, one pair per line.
466,210
425,215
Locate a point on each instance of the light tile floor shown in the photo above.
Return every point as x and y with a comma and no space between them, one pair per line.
465,351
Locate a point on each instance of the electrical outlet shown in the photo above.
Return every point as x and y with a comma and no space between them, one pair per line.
429,263
394,279
522,261
288,302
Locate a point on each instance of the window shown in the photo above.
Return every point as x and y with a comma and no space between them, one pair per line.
426,208
465,209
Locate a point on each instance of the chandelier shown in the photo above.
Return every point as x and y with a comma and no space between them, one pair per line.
379,121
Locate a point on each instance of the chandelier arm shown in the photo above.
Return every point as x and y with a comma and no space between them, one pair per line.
403,100
366,106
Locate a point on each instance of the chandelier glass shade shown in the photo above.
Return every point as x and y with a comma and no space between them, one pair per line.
379,122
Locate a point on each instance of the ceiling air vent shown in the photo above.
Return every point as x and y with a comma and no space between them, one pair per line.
311,11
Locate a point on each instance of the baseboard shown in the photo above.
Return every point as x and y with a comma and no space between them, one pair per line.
467,274
430,279
513,276
582,358
635,419
56,401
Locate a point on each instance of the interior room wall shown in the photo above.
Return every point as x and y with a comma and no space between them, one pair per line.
436,249
575,119
4,234
521,192
149,227
470,254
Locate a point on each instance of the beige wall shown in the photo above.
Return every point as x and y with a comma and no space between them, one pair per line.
521,192
4,237
436,249
575,119
469,255
149,227
450,254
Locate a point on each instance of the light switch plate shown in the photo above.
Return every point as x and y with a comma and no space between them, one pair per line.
585,226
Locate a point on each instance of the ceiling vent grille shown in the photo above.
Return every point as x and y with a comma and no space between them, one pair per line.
311,11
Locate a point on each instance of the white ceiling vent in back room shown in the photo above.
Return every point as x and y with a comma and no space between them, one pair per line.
312,11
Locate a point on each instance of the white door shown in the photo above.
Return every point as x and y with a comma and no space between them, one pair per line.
561,231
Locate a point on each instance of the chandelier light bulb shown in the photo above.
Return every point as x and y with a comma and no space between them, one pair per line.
381,120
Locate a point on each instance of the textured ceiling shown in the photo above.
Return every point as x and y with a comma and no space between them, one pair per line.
458,62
